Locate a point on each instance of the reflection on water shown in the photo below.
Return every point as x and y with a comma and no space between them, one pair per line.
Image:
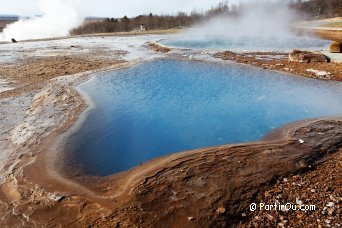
165,106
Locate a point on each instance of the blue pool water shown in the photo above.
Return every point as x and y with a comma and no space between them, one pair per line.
247,43
166,106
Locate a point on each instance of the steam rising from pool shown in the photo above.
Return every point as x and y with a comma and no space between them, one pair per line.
256,19
59,17
259,25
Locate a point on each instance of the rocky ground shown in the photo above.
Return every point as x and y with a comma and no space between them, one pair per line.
320,186
34,72
209,187
280,62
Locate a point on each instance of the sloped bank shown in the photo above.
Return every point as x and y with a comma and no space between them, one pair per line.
214,186
207,187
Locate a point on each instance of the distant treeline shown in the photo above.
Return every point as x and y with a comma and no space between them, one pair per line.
125,24
312,8
319,9
150,22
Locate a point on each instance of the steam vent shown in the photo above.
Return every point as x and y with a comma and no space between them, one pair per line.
336,47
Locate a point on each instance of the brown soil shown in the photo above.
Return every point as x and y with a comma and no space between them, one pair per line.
279,61
34,72
332,34
158,47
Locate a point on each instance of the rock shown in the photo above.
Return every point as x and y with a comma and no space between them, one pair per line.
270,217
330,211
320,74
191,218
307,57
333,198
158,47
299,202
330,204
220,210
55,197
336,47
282,224
14,40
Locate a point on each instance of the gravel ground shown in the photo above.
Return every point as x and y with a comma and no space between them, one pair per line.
279,61
320,186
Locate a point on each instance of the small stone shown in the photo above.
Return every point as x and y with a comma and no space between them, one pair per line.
220,210
282,224
191,218
299,202
323,212
279,196
330,211
301,141
327,221
330,204
333,198
55,197
336,47
320,74
270,217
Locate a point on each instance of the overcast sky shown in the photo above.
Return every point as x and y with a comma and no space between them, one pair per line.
114,8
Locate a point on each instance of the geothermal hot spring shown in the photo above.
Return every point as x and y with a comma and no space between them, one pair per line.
167,106
246,43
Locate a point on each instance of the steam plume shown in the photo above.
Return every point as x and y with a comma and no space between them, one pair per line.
58,18
254,19
256,23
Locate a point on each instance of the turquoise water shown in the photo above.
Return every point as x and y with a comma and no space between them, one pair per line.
247,43
166,106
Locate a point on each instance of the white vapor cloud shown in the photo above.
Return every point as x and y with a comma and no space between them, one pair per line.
261,18
58,18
